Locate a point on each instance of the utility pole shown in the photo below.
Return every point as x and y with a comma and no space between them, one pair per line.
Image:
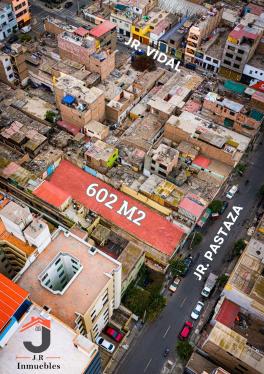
78,7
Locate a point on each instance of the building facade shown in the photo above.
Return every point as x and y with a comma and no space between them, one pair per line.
22,12
8,23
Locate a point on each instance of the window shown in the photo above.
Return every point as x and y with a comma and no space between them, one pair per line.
136,29
238,58
208,58
215,61
250,71
229,55
236,66
164,167
240,51
163,174
61,274
231,48
232,113
227,62
59,268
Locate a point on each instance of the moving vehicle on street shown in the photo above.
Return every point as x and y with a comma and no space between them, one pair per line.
105,344
197,310
114,334
166,352
230,194
209,285
187,262
185,331
173,287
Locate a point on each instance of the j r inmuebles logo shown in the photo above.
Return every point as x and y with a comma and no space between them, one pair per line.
38,362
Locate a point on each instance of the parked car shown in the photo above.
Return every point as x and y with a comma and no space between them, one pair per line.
173,287
116,335
185,331
224,206
25,29
230,194
105,344
187,262
197,310
68,4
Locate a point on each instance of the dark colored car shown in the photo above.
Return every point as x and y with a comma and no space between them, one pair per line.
187,262
225,205
185,331
117,336
68,4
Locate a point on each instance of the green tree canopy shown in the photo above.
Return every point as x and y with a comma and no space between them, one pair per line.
216,206
184,350
177,266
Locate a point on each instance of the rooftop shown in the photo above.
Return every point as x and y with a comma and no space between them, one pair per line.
100,30
99,150
164,154
17,214
71,351
129,258
51,194
151,227
240,32
11,298
83,291
192,204
87,41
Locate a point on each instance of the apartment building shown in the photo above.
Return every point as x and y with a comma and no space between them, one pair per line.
77,103
8,23
21,10
201,30
80,47
63,279
95,129
240,46
21,320
232,115
105,35
13,67
160,161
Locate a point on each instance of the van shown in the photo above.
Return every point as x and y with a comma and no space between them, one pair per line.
230,194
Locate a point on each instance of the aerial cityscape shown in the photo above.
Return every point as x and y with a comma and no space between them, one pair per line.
131,187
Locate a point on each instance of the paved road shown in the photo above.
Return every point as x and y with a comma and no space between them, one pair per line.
146,356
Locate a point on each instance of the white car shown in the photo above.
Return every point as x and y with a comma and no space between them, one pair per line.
25,29
173,287
230,194
197,310
109,347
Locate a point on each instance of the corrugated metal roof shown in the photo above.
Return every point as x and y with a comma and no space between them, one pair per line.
234,86
11,297
228,313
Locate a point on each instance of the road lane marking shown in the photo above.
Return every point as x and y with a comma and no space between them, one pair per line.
166,332
183,301
146,368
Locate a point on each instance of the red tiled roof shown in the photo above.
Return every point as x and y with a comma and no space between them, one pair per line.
258,86
81,31
102,29
153,229
53,195
202,161
228,313
11,297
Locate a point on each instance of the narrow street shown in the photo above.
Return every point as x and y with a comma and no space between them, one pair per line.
163,332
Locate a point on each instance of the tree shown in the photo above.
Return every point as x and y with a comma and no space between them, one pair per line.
25,38
222,279
240,168
156,306
137,300
239,246
50,116
143,62
177,266
197,238
216,206
184,350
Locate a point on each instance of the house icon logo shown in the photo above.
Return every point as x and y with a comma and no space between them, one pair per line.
43,325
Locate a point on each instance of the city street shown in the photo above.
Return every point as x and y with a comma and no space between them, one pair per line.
146,356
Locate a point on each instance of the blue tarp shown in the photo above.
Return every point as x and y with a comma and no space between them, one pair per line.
68,99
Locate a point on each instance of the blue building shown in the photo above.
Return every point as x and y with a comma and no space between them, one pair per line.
8,23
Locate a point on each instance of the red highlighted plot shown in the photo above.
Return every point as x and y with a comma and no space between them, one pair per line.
118,208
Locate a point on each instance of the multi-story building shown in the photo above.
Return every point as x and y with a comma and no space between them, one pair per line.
21,10
13,67
233,115
202,29
161,160
105,35
118,108
8,23
77,103
23,321
240,46
62,279
78,46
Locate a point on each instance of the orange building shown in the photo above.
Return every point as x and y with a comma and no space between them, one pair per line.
21,9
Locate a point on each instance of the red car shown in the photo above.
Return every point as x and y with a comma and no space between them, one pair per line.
185,332
117,336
